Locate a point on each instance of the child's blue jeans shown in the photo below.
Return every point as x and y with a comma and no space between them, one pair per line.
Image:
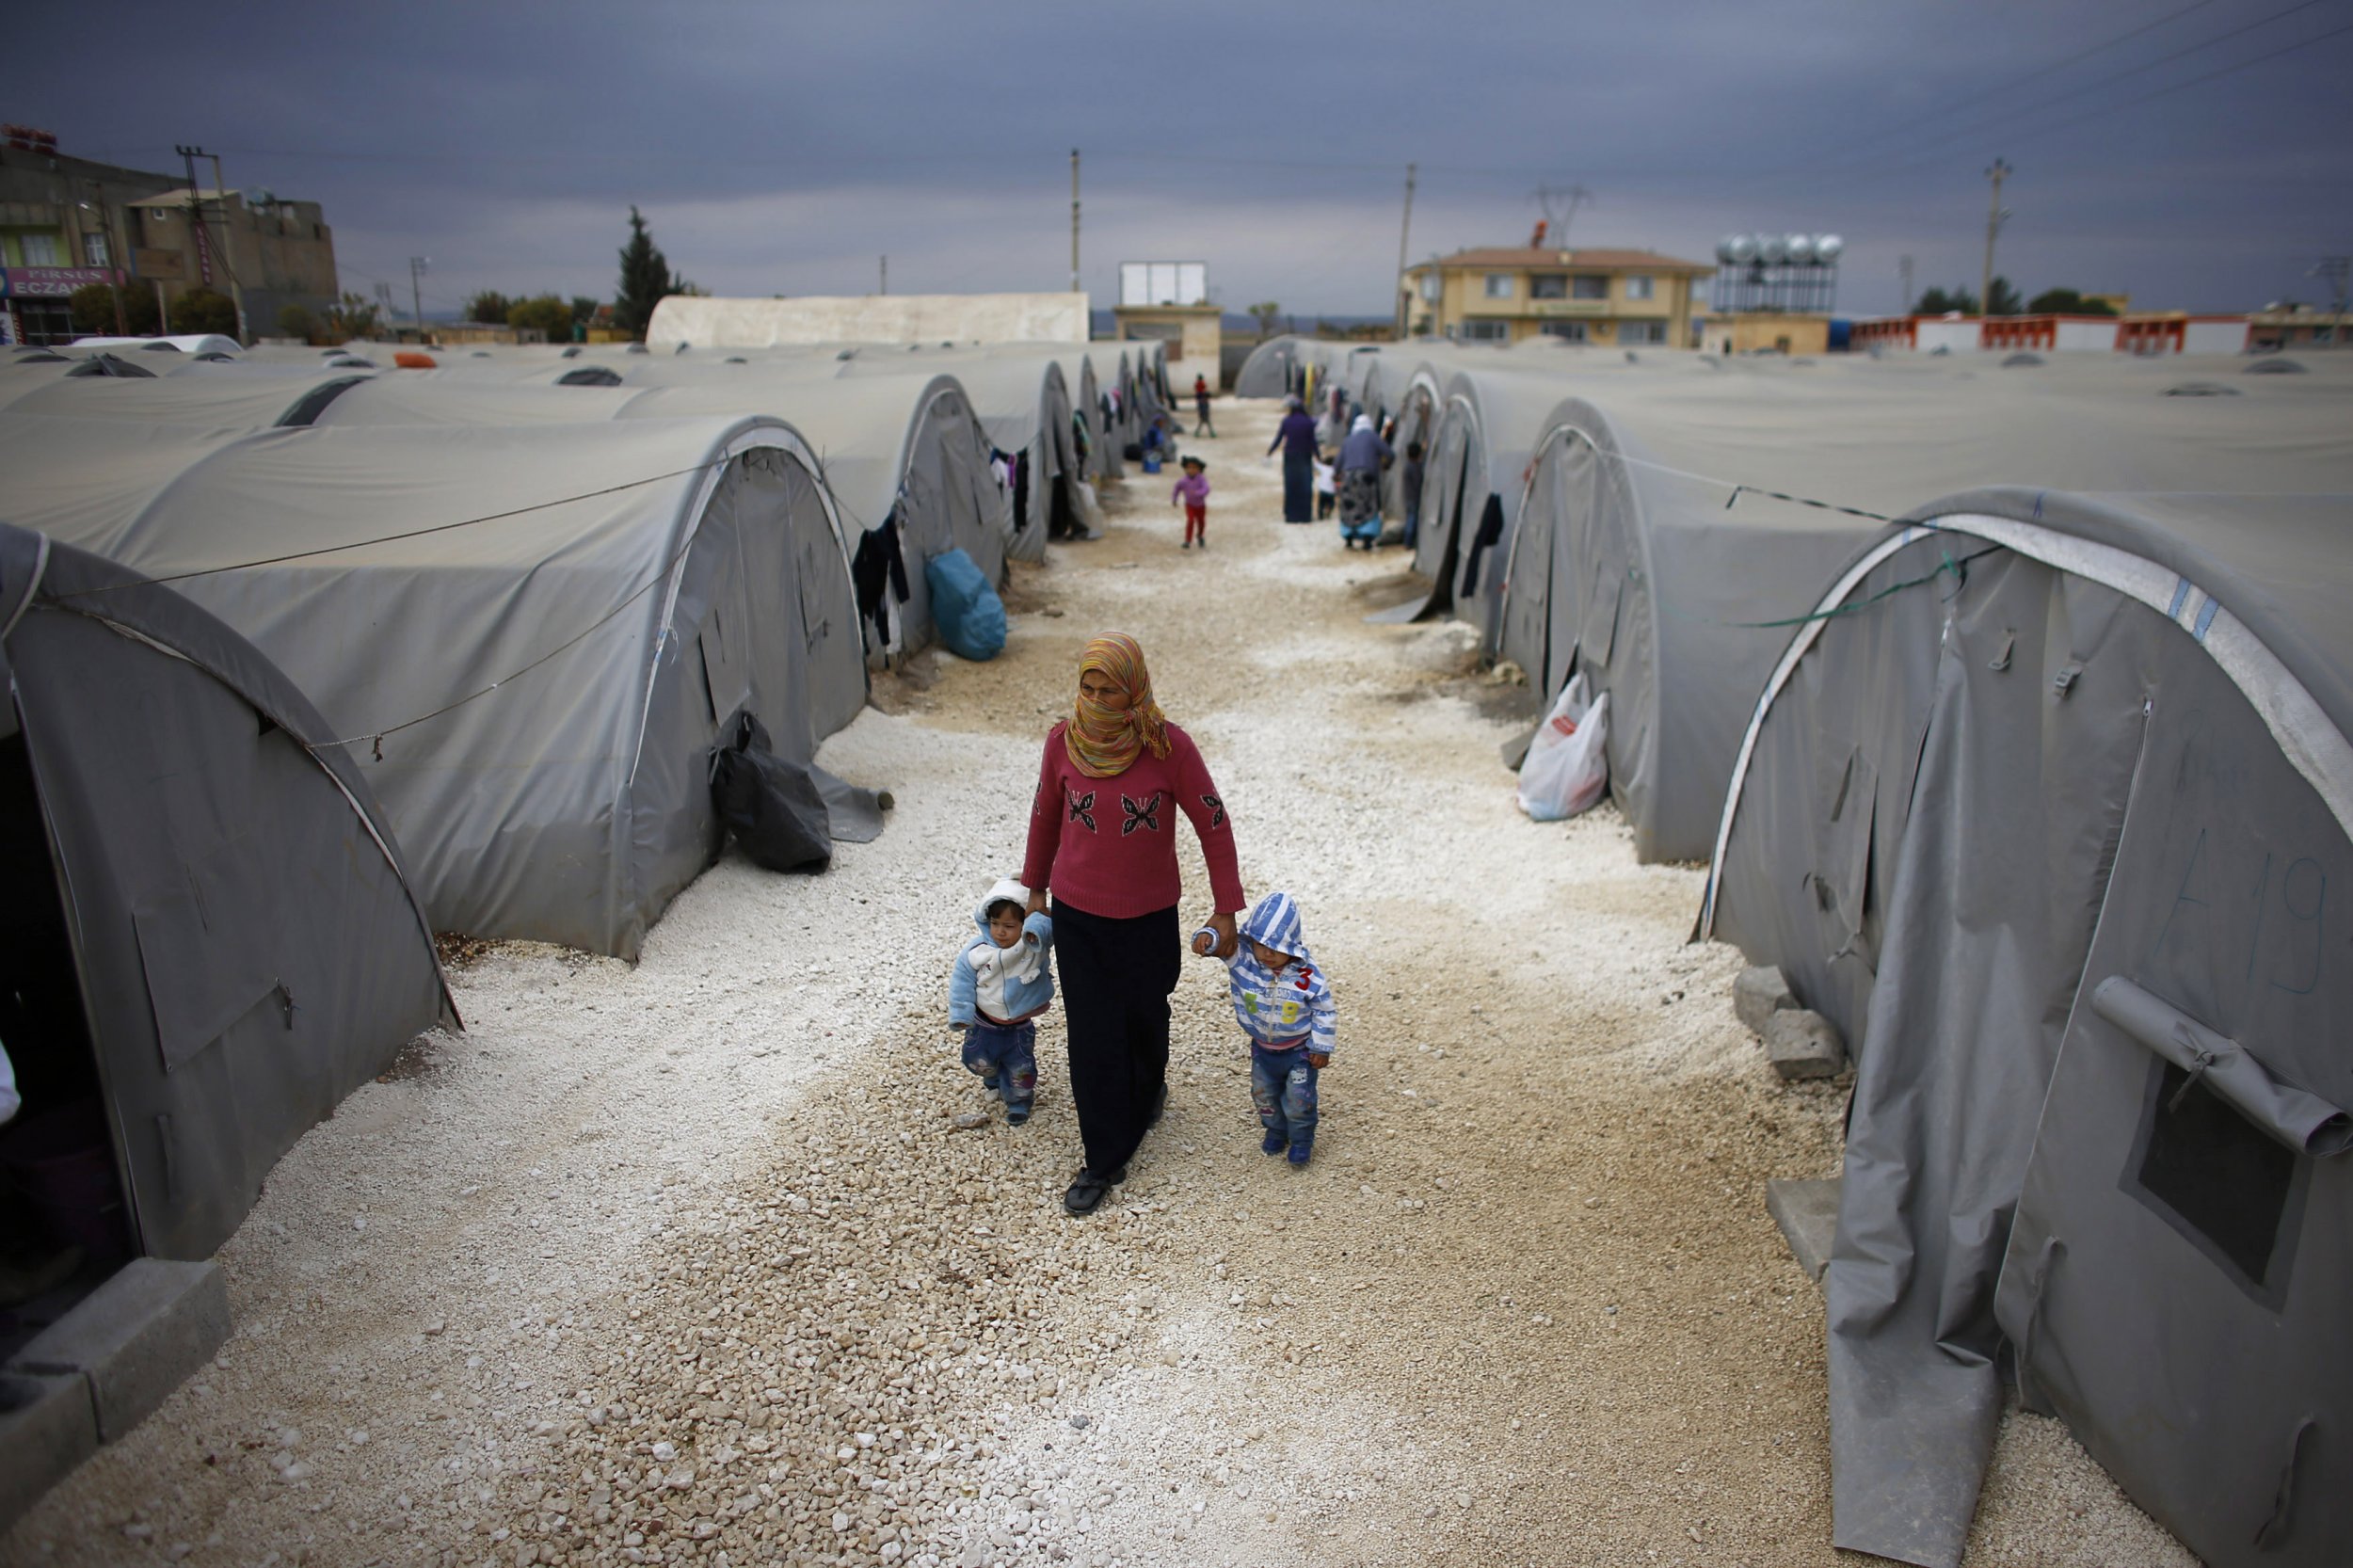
1007,1054
1282,1085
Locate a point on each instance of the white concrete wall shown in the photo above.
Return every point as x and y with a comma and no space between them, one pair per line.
2077,337
962,318
1959,336
2214,337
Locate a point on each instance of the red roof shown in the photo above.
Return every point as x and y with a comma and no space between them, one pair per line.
1609,260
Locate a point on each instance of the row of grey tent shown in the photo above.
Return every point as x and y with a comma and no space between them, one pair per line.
311,658
2009,704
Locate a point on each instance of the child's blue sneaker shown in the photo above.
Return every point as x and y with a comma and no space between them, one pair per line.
989,1084
1017,1114
1299,1153
1273,1142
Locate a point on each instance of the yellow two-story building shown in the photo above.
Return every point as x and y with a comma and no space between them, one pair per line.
1584,295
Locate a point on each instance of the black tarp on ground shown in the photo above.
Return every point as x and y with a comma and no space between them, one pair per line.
247,947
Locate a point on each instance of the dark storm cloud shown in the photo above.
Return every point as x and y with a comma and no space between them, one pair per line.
781,149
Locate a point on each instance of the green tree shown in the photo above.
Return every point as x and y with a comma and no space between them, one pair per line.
93,307
1937,302
645,277
2067,302
296,321
1264,313
2004,301
353,316
204,309
489,307
549,313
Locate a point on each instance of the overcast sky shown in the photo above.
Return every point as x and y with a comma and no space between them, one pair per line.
782,148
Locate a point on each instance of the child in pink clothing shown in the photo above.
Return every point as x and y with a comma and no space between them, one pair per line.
1193,490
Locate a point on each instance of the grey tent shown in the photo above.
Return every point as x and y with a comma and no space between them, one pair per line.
197,392
529,636
211,937
1273,368
902,449
2042,806
1658,551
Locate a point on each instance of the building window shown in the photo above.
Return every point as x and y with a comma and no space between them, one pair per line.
1641,286
1589,285
40,249
1498,285
1572,332
1486,332
1548,285
1641,331
94,251
1431,286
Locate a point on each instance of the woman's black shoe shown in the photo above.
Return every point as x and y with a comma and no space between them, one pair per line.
1087,1193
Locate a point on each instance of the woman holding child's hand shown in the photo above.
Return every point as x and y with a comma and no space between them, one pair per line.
1103,837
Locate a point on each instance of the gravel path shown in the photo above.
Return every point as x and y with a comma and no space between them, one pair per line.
697,1261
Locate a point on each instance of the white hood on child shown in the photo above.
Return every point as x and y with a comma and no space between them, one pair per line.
1020,962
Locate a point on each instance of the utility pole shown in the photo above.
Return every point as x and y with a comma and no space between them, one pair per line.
227,252
114,256
1405,230
1994,218
1903,270
1074,220
885,275
417,265
205,244
2337,271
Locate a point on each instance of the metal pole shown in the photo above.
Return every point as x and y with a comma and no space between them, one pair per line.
1074,220
1993,227
1903,270
1405,230
163,314
227,265
416,293
885,275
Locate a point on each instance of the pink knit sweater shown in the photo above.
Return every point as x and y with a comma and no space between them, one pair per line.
1108,845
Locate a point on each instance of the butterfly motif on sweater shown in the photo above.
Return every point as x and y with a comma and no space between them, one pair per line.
1081,805
1217,811
1141,813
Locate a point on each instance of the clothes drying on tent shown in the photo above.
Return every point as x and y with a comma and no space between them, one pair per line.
878,572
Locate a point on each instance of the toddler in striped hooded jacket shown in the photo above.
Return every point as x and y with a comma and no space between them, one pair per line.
1285,1005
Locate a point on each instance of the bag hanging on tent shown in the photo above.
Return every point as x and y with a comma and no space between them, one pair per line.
1568,762
969,616
773,806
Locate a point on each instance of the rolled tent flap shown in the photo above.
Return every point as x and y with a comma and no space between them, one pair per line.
2304,1122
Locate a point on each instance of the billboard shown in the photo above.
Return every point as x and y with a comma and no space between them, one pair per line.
1163,283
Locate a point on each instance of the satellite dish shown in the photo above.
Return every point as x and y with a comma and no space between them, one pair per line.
258,196
1828,248
1800,249
1727,248
1772,249
1743,249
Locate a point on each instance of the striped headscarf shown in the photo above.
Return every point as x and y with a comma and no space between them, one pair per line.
1104,741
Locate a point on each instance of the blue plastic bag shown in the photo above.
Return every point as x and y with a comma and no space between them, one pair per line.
969,616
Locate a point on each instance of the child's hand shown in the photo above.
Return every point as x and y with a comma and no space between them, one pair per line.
1318,1058
1204,942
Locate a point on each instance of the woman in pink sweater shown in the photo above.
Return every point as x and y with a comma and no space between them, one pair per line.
1103,839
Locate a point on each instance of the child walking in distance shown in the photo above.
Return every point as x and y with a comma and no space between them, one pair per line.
1285,1006
1003,980
1327,488
1201,426
1193,490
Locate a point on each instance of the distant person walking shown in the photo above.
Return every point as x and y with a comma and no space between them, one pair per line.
1363,456
1409,491
1201,426
1296,436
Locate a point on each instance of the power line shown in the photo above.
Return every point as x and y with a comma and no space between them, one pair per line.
2014,133
1946,138
2056,66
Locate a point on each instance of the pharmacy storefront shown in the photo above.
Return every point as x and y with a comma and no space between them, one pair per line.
33,301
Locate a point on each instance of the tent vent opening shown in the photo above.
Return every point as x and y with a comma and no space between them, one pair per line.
2218,1179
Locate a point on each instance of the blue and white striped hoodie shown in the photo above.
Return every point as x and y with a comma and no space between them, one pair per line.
1288,1006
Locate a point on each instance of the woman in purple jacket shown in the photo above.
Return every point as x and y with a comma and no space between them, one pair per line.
1296,436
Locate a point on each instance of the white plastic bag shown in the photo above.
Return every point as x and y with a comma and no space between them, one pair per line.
1567,766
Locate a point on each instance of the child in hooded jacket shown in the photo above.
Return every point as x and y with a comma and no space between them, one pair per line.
1285,1005
1004,978
1193,490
